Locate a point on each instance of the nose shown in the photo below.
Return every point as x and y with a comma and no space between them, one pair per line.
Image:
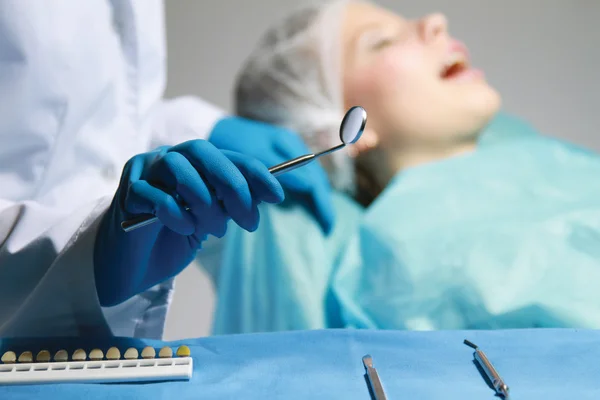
433,26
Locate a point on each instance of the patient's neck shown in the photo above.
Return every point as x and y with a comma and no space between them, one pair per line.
399,160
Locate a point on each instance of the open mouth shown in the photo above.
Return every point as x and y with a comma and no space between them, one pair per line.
454,66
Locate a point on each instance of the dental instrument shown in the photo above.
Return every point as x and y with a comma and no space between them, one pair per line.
374,380
351,129
499,386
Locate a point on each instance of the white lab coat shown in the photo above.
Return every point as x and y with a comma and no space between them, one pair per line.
81,84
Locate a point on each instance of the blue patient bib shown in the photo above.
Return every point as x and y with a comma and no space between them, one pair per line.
505,237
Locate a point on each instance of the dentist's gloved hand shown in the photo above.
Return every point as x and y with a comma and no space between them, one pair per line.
216,185
273,145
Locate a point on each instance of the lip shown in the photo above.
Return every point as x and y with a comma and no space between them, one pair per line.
469,73
457,46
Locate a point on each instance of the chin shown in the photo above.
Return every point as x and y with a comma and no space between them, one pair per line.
485,104
475,115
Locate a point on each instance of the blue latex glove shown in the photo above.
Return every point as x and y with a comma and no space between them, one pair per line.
273,145
216,185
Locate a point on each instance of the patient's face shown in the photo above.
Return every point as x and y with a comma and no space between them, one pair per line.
413,79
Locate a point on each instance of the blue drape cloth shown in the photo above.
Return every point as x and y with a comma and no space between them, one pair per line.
544,364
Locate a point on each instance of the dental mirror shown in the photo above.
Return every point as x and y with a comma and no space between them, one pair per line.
353,125
351,129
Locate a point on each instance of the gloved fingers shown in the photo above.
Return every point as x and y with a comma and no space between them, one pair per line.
255,216
248,219
263,185
143,198
175,173
224,177
132,172
216,225
178,176
297,180
212,220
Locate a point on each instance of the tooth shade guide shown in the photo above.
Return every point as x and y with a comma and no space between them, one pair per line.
61,356
9,357
26,357
131,354
43,356
61,370
96,355
79,355
165,352
183,351
113,354
148,352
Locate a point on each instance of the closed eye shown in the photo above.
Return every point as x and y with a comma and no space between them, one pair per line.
380,44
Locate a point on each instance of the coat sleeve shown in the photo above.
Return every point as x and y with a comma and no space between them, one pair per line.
184,118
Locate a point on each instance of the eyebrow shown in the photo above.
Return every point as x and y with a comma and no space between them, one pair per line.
365,29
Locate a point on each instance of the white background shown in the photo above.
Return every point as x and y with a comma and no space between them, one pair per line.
542,55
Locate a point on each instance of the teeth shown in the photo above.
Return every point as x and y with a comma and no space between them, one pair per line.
113,354
79,355
453,59
183,351
96,355
148,352
9,357
26,357
43,356
131,354
61,356
165,352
